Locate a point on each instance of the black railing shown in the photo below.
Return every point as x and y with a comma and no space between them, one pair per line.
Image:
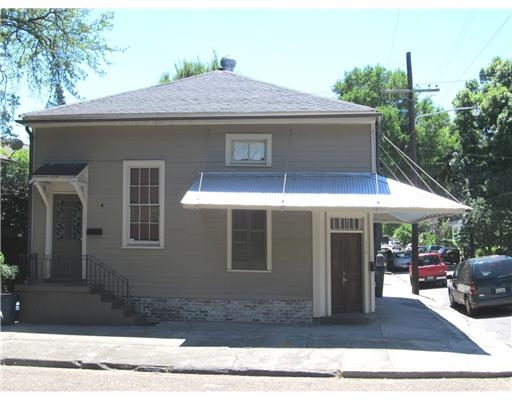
35,267
103,278
98,276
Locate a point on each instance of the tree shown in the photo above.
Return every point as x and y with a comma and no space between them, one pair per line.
485,160
14,194
436,142
50,49
186,68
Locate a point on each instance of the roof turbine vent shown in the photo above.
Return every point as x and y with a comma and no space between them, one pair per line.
228,63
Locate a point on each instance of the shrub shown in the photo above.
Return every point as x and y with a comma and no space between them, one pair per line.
7,274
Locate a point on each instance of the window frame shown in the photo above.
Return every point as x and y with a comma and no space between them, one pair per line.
229,254
127,243
231,138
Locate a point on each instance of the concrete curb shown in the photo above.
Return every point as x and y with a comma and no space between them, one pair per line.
77,364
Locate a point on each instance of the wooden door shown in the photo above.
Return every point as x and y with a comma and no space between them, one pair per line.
66,263
346,273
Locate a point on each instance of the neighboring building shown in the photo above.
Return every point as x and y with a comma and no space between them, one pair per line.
217,197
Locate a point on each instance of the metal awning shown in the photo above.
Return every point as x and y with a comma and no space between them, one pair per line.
387,199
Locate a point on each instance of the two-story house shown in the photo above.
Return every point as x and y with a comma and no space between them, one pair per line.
215,197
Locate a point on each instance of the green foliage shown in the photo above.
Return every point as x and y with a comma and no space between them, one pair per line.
366,86
8,274
435,141
14,203
484,163
50,49
389,229
186,68
429,232
7,107
426,238
403,233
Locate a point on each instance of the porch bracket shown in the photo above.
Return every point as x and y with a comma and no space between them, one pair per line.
42,192
80,189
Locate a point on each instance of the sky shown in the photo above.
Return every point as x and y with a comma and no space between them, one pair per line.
305,46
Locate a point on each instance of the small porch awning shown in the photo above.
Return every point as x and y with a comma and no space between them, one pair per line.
56,171
73,173
387,199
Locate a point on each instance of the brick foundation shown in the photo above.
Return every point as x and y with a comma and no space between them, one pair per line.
267,311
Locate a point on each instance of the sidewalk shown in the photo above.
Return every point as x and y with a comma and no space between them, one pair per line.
404,338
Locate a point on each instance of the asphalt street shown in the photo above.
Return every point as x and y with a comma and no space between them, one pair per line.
27,379
495,323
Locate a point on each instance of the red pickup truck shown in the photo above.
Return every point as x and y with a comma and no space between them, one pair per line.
430,269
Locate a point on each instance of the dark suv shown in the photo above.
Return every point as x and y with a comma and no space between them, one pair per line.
449,255
481,282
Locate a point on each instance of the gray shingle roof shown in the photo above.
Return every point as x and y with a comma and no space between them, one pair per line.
215,93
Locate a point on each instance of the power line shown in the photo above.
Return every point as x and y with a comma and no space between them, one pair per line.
456,43
481,51
486,45
394,35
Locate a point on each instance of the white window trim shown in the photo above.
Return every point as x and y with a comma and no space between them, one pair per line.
247,137
127,164
229,244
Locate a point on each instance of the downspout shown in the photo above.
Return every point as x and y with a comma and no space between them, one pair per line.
29,210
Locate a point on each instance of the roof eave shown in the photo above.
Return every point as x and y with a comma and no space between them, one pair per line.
107,118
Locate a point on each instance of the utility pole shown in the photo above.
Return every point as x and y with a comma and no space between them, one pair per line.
414,177
412,154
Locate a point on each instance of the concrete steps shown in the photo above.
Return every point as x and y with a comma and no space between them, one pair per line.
66,304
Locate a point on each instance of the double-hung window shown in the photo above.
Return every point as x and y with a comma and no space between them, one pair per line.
249,149
249,240
143,204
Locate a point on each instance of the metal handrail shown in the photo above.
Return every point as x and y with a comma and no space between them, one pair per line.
99,274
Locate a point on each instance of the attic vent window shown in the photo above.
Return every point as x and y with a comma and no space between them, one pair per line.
248,149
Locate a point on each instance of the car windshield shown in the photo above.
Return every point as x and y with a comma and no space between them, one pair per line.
493,269
428,260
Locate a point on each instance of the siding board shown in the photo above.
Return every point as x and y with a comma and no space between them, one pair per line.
193,262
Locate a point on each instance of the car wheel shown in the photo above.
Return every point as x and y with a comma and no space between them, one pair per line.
451,299
469,308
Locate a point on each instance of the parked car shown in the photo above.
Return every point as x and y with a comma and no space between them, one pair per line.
481,282
449,255
421,249
433,248
431,269
401,261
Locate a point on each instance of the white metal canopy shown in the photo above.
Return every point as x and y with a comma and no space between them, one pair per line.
387,199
